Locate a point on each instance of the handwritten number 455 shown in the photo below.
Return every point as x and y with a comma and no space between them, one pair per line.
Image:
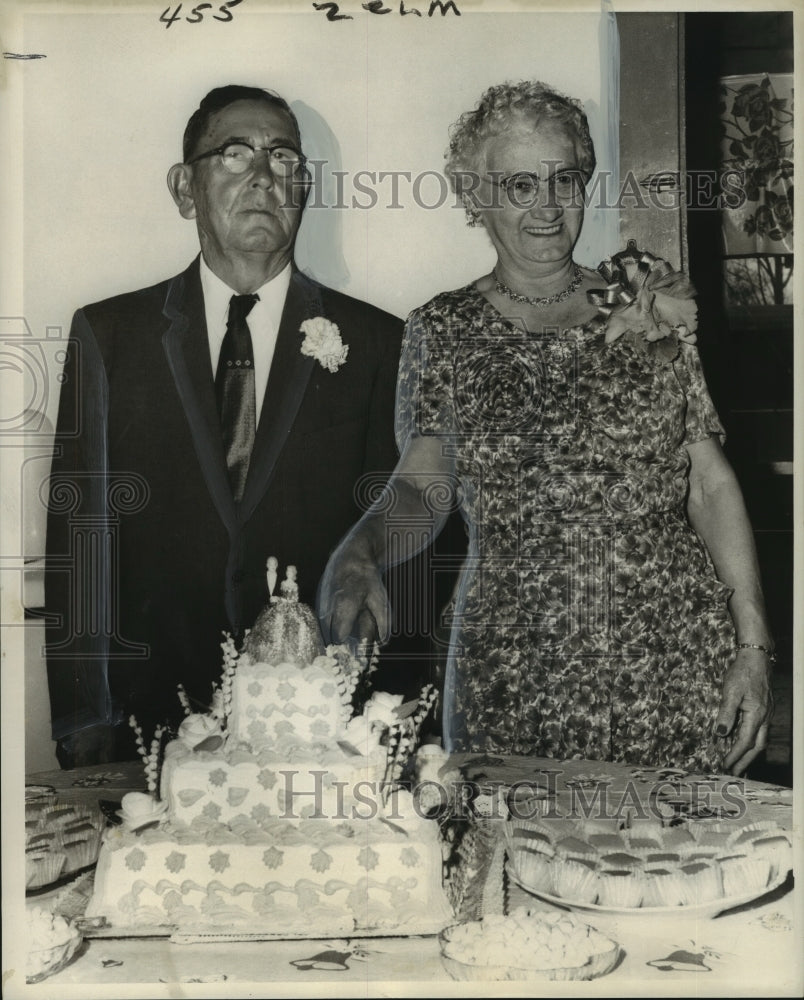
197,13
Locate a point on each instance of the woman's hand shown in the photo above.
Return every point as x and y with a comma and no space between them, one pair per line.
717,512
352,599
746,707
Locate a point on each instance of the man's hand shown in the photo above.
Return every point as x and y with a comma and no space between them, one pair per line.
352,600
746,701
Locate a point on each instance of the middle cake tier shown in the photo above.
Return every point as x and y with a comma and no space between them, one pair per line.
294,783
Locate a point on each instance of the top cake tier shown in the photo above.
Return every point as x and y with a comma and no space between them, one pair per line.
272,703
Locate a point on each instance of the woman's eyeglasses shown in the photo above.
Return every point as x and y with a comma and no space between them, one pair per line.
237,157
565,187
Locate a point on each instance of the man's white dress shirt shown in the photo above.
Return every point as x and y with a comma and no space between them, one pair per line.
263,322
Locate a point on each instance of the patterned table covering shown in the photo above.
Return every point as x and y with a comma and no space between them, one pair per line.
585,788
754,950
88,784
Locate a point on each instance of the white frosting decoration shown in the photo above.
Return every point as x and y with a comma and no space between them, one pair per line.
381,708
322,662
360,734
137,809
196,728
430,758
365,731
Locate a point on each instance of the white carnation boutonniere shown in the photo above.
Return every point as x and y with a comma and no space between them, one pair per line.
322,341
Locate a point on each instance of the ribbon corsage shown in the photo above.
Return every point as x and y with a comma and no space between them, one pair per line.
647,301
322,341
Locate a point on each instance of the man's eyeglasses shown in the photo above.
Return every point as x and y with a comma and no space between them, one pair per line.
565,187
237,157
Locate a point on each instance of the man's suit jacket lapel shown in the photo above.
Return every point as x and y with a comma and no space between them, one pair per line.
186,347
287,382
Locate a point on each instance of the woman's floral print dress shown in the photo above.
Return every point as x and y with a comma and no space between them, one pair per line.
588,621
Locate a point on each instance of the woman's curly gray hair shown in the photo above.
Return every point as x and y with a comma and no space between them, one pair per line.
501,107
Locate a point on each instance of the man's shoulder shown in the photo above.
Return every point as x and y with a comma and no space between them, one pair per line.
350,309
139,300
123,302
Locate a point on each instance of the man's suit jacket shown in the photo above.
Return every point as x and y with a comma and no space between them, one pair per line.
149,557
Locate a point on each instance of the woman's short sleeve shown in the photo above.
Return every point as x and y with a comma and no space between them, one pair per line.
701,419
424,388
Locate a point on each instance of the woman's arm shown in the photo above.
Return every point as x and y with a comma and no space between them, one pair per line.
717,512
405,519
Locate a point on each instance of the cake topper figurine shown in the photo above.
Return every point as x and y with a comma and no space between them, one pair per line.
285,631
271,575
289,587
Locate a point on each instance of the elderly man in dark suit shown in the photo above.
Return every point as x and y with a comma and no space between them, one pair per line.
209,422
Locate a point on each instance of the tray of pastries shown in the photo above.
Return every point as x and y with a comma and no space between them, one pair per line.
61,838
698,868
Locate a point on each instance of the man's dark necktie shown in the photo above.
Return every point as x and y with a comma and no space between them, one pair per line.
234,391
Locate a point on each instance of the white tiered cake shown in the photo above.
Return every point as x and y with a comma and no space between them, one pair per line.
281,814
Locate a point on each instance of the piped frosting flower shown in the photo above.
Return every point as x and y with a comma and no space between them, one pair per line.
138,809
195,729
381,709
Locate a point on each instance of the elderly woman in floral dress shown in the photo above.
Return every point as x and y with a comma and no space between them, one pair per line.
610,606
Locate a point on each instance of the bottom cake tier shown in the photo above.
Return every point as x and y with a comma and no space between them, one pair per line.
312,876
